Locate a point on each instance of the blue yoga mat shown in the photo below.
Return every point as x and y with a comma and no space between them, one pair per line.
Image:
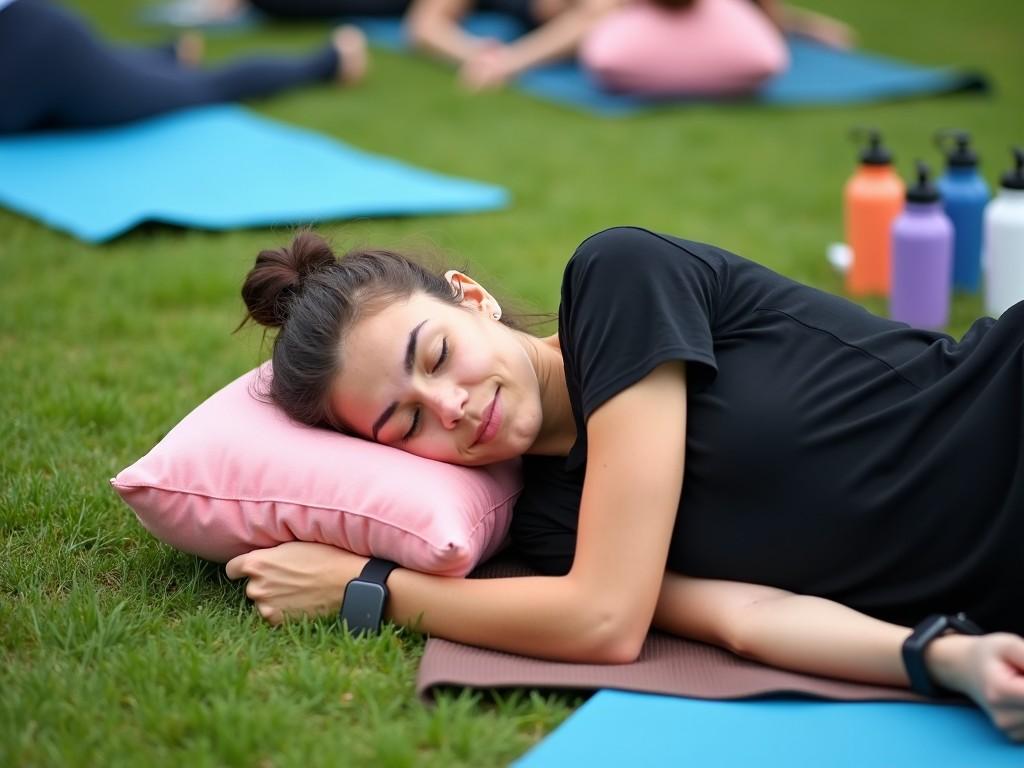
632,729
220,167
192,14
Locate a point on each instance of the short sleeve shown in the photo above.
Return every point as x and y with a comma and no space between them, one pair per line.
632,300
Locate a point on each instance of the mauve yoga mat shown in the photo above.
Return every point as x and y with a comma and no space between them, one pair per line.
667,665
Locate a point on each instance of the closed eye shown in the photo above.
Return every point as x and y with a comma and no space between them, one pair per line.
416,414
444,354
412,428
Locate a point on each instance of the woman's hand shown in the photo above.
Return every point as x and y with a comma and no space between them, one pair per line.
989,669
491,67
296,578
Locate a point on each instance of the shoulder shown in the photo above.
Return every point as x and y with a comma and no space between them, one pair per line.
628,247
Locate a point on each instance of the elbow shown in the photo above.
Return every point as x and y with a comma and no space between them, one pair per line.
624,650
611,639
744,634
737,641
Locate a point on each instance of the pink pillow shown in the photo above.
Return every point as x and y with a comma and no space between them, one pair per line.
715,47
237,474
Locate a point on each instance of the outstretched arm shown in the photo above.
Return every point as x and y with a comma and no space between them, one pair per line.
433,26
599,612
820,637
556,39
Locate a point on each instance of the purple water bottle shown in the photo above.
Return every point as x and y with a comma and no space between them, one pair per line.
922,257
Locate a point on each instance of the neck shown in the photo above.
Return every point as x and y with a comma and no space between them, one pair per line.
558,427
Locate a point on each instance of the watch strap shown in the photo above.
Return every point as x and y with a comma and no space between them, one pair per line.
377,571
924,633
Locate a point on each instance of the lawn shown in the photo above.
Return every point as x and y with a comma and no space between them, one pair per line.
117,650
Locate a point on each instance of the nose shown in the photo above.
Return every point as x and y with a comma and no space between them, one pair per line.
449,403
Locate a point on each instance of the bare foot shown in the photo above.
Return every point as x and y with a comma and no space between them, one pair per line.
190,49
350,43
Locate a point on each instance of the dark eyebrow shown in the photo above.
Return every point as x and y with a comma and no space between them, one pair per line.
410,358
410,348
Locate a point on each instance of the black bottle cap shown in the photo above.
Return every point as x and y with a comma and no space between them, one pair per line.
959,154
1014,179
874,153
923,191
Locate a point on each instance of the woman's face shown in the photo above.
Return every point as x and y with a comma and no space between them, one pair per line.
438,380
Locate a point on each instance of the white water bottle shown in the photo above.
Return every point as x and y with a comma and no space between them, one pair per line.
1003,257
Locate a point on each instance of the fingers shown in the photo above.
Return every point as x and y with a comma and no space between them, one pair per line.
242,567
270,614
235,569
1013,651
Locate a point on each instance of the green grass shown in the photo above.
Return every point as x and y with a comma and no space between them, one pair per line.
116,650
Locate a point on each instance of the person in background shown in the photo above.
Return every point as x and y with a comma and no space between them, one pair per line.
55,72
752,32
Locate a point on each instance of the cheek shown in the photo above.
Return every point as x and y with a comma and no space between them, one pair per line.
476,363
438,445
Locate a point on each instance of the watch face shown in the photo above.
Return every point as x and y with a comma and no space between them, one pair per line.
362,608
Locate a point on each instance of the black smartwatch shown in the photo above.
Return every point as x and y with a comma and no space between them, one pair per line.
362,608
914,646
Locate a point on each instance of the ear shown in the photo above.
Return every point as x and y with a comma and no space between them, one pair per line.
474,295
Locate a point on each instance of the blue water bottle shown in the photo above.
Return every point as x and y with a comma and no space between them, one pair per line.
964,195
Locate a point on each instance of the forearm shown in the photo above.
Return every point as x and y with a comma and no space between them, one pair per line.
822,637
558,38
434,28
800,633
545,617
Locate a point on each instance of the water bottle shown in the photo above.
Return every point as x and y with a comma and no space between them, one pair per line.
872,198
1003,259
964,195
922,257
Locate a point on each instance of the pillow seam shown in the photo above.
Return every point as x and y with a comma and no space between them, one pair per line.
489,512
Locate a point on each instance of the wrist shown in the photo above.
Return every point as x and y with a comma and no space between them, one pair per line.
366,596
945,658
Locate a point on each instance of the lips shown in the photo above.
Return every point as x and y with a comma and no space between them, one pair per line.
484,433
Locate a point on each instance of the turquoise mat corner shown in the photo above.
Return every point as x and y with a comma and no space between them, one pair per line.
615,728
221,167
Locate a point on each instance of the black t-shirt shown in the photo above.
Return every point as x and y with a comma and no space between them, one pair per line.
829,451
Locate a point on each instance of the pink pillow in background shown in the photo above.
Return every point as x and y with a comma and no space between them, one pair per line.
237,474
715,47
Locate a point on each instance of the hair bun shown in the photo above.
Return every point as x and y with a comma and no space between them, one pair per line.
278,275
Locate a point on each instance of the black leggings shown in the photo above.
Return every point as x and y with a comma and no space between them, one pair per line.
331,9
54,72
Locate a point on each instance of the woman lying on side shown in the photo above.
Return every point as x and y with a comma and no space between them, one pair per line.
708,447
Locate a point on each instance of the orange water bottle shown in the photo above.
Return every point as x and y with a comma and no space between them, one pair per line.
872,199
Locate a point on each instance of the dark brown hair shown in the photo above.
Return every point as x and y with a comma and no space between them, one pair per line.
313,298
675,4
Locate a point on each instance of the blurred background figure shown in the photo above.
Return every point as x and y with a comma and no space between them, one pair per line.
56,72
649,47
